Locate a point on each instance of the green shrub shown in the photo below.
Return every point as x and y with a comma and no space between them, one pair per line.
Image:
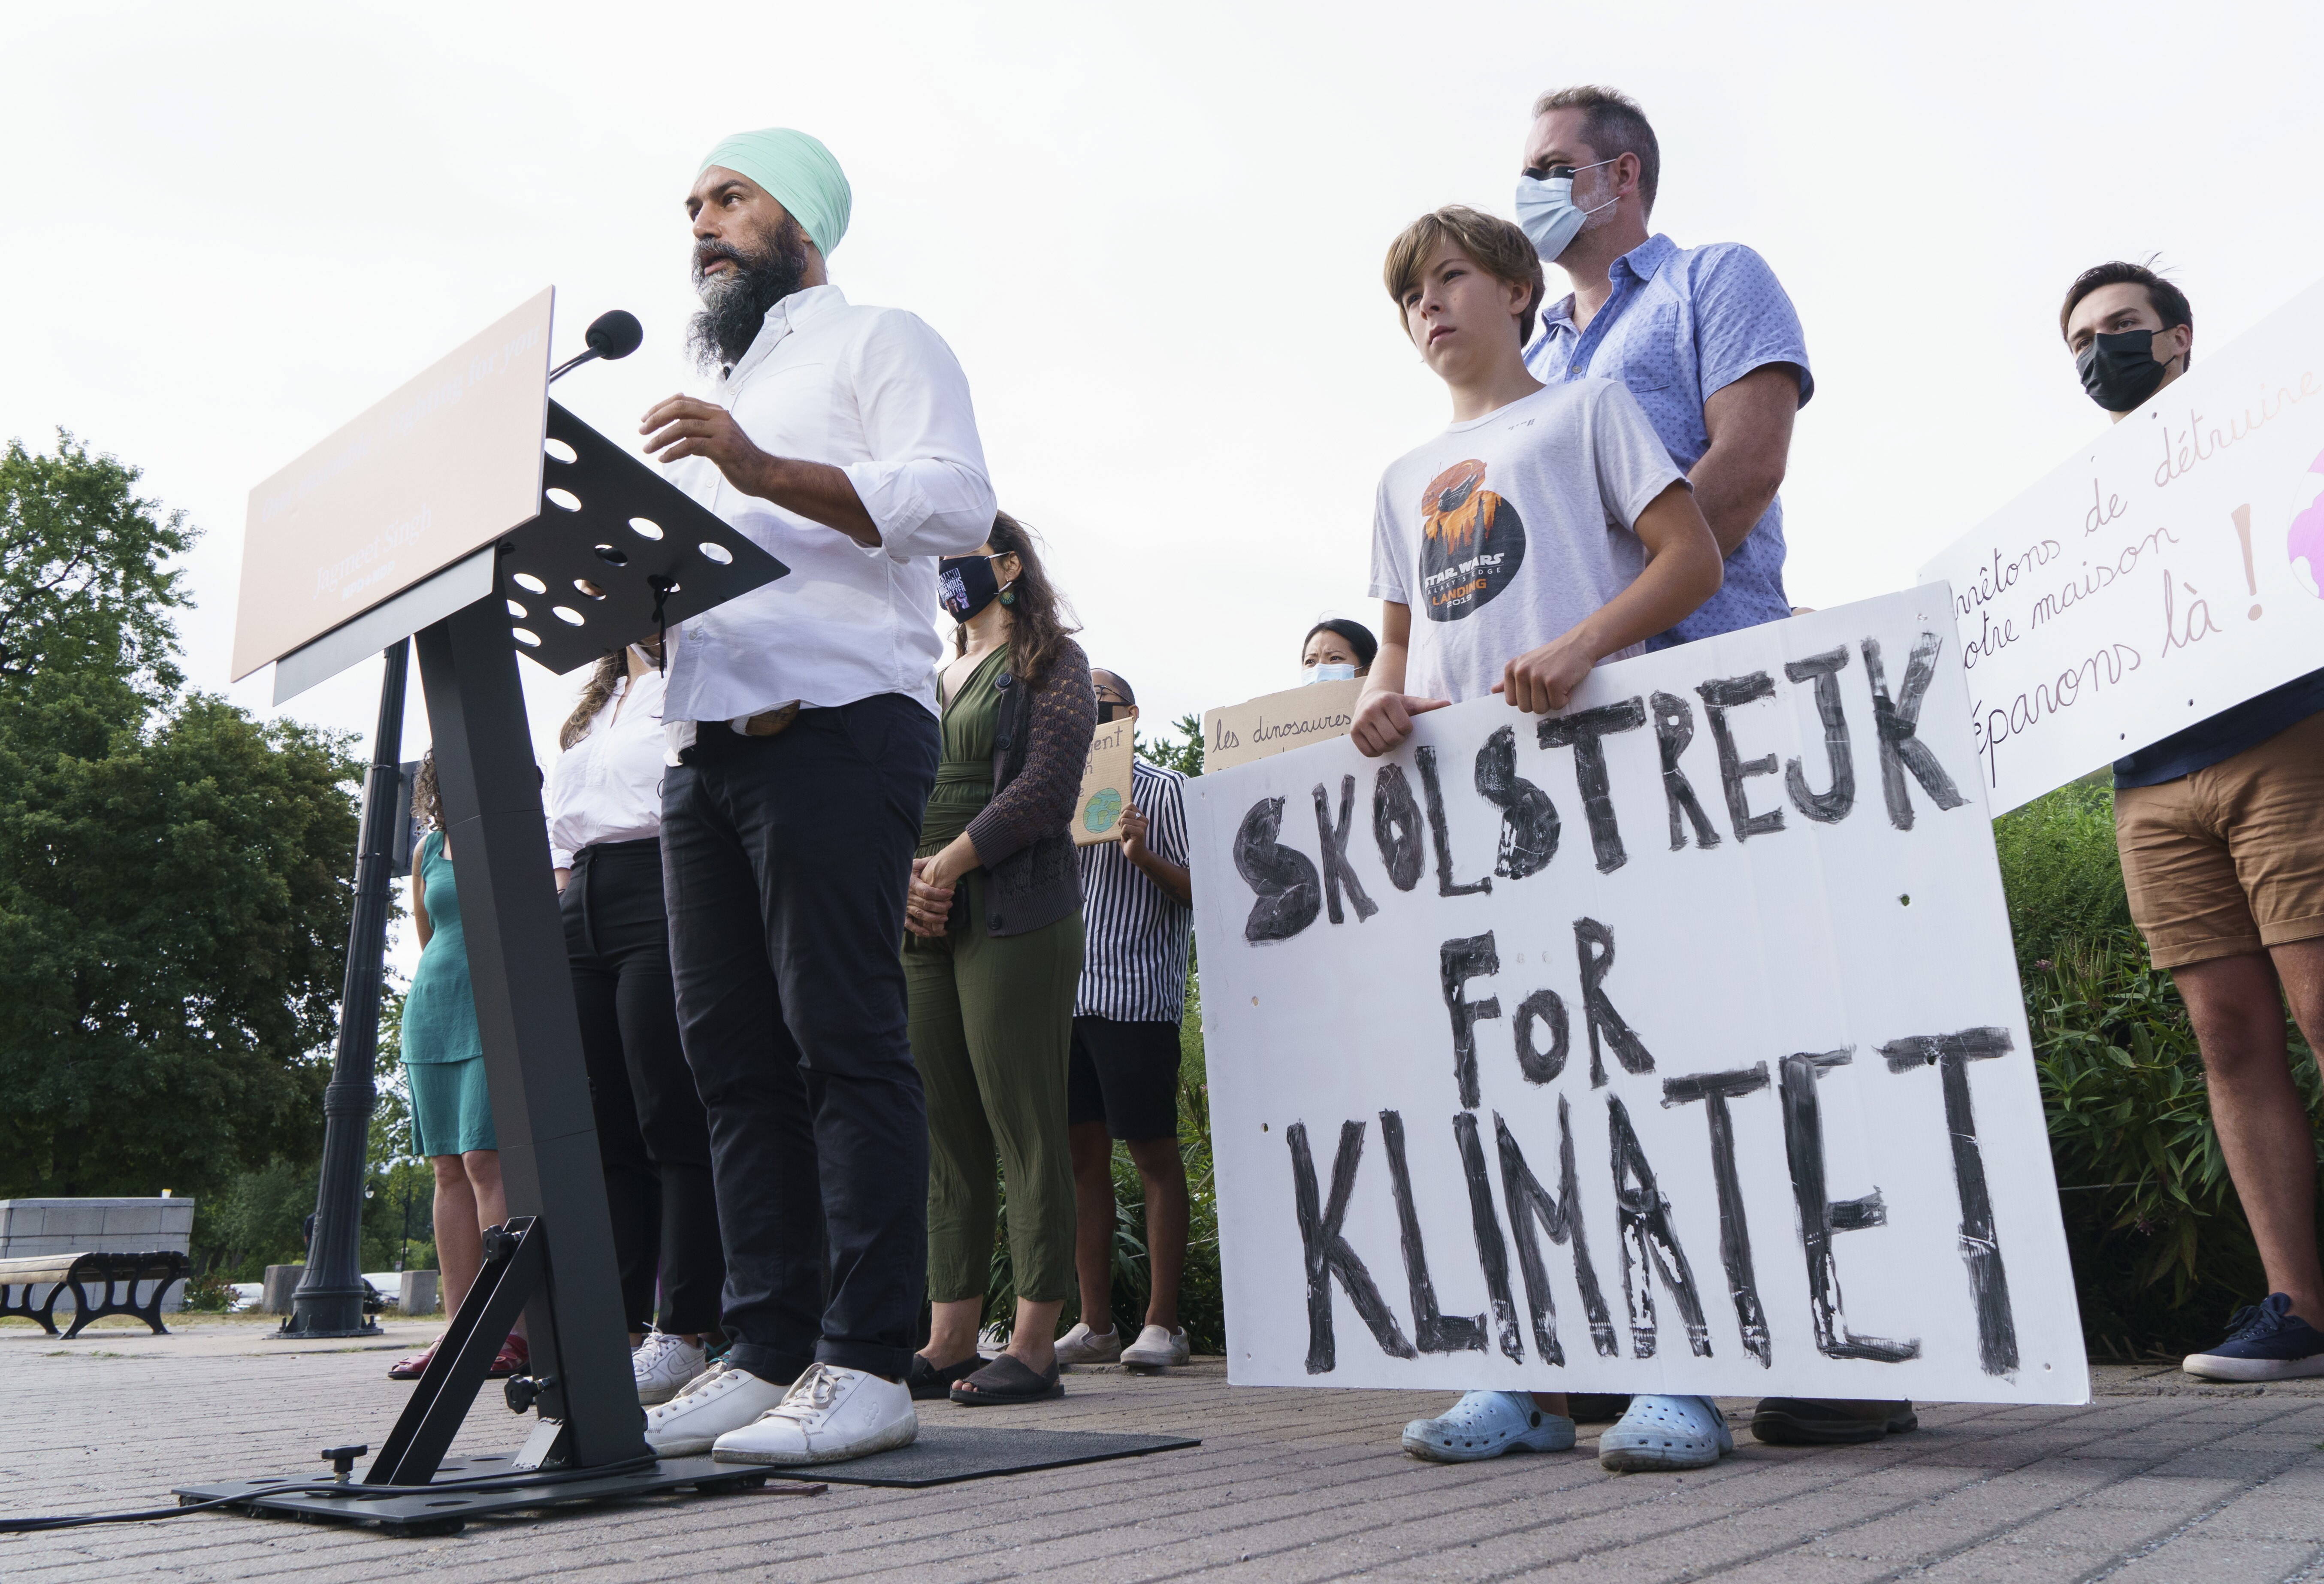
209,1293
2059,871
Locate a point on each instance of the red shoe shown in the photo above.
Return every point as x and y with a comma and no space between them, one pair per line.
514,1358
414,1367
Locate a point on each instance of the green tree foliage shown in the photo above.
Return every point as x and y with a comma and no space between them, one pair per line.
1180,749
174,875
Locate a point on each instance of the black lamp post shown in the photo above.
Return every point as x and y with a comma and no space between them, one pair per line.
329,1302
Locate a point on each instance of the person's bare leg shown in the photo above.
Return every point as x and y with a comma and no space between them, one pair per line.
1551,1403
482,1168
952,1332
2237,1006
1163,1170
1034,1343
1092,1157
459,1246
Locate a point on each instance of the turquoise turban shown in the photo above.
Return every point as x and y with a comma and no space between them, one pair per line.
800,173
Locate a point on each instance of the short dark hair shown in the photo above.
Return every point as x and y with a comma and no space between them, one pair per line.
1121,685
1614,124
2170,303
1495,245
1359,636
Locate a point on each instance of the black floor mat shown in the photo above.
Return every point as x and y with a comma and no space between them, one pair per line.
945,1453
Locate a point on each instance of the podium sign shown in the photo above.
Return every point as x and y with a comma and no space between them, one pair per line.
437,470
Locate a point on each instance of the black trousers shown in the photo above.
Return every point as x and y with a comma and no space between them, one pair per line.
651,1131
785,860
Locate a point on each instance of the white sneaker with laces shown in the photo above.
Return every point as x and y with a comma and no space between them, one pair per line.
831,1413
1081,1345
720,1399
1157,1348
663,1365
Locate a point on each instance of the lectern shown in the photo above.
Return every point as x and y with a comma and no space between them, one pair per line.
473,514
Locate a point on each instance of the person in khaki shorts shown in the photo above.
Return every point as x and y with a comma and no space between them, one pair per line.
2221,830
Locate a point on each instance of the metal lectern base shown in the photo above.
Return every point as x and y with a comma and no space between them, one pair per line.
414,1513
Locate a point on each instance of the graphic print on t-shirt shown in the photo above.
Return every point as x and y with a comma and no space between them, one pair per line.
1471,542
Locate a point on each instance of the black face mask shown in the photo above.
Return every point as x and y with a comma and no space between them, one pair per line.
2118,368
965,585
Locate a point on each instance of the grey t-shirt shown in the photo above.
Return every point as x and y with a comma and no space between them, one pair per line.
1503,532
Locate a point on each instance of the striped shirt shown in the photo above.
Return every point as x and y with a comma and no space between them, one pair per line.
1134,964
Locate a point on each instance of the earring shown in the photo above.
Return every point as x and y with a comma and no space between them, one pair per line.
1007,597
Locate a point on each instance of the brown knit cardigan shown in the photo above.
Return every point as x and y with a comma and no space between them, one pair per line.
1024,837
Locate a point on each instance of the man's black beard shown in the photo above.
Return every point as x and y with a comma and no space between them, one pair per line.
736,306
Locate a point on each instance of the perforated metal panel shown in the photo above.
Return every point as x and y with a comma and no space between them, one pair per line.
581,577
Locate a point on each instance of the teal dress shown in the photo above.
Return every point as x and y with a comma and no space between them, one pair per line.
443,1053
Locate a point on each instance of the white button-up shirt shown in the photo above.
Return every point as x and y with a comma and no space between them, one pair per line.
607,786
876,393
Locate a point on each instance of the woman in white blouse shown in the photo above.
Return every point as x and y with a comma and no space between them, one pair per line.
604,828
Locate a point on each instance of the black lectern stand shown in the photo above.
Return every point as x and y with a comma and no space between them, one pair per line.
615,553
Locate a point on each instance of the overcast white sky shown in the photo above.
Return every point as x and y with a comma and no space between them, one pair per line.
1153,235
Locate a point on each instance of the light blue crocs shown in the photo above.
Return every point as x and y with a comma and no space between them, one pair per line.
1485,1424
1665,1432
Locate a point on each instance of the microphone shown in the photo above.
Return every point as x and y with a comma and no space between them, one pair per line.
611,334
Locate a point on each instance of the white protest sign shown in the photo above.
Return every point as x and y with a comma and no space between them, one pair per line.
1277,722
2171,570
1606,1050
1105,786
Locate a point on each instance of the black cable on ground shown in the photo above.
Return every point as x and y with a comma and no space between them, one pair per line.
356,1490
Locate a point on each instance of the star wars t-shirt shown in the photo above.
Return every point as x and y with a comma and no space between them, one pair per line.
1504,531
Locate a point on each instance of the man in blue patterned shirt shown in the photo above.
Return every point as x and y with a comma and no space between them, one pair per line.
1703,336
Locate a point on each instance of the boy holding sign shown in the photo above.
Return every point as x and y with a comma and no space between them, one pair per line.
1545,530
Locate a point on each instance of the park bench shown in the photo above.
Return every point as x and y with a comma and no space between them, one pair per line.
100,1283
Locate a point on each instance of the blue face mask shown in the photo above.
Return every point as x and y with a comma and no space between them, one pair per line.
1545,208
1311,674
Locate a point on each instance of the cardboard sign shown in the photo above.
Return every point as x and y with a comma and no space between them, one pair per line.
2173,570
1670,1044
1279,722
422,479
1105,786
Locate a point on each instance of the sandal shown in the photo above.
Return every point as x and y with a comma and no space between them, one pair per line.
929,1381
1007,1380
416,1364
514,1358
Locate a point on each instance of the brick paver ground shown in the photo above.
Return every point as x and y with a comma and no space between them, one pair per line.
2160,1478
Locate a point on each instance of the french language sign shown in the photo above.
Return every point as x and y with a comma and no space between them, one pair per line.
1668,1043
1277,722
2173,568
1105,786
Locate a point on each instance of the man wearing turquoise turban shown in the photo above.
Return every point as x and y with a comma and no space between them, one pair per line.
801,720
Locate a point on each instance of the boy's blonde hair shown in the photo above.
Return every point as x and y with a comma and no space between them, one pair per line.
1493,245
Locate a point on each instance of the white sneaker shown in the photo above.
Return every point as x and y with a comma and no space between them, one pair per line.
720,1399
1157,1348
830,1413
663,1365
1081,1345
